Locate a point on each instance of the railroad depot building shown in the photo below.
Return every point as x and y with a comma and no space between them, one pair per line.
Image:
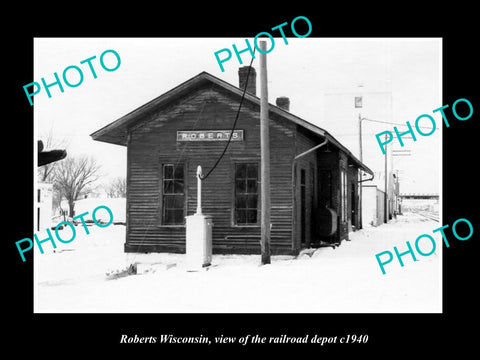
314,179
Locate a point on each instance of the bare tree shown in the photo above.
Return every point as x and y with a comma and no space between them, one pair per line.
117,188
75,176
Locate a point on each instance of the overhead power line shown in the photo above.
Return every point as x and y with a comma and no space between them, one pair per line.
392,123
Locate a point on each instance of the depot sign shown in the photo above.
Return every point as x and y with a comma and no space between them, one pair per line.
210,135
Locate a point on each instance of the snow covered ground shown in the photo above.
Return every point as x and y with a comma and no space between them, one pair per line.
342,280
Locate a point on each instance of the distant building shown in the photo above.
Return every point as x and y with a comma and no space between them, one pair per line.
374,202
419,196
373,205
420,202
393,195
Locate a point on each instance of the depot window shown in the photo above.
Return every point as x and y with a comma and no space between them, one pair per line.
246,194
173,197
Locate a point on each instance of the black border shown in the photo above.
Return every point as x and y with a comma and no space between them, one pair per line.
389,334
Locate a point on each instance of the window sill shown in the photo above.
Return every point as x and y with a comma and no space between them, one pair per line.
171,226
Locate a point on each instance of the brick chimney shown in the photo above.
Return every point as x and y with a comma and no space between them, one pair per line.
252,79
283,102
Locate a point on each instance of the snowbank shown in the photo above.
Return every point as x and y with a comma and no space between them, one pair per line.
116,205
78,277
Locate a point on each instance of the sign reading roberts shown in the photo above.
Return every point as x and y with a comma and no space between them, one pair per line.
209,135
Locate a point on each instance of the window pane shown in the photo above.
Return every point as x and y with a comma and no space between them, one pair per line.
251,201
168,201
251,216
252,186
178,186
241,171
179,171
177,216
241,201
173,201
173,217
168,186
168,171
252,170
167,217
240,216
240,186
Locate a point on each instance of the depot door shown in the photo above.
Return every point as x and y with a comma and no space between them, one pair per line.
303,207
307,205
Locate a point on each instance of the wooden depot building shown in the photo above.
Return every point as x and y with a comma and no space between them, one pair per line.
313,178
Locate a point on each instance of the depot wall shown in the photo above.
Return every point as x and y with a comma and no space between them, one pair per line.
154,142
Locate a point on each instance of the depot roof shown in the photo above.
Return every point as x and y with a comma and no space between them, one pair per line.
116,132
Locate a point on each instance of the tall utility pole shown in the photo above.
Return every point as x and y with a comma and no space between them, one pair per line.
265,158
360,193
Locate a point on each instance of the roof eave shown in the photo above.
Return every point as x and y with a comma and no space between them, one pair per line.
116,132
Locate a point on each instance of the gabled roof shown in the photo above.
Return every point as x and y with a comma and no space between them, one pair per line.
116,132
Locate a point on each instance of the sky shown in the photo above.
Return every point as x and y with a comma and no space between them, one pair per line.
399,79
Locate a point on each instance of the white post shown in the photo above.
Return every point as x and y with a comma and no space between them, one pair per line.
198,242
265,160
199,190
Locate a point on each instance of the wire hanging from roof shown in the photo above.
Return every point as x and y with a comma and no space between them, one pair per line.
203,177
